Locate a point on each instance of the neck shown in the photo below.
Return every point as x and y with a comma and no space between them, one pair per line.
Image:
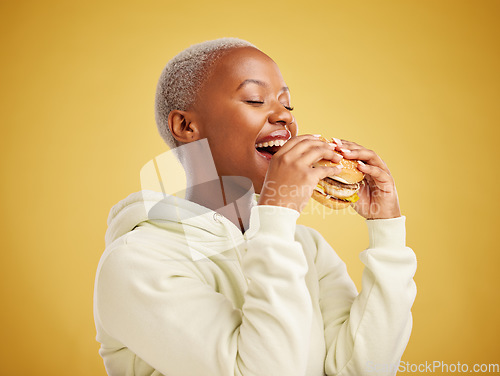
230,196
227,196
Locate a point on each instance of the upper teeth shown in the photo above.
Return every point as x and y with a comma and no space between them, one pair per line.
270,143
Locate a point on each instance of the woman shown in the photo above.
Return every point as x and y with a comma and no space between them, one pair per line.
225,282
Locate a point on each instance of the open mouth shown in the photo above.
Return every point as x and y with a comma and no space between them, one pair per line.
269,148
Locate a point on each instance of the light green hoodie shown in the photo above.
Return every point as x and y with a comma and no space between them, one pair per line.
180,291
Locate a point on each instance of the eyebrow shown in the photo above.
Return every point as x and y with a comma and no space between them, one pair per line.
258,82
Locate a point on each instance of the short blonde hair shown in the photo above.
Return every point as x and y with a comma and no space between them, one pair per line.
182,78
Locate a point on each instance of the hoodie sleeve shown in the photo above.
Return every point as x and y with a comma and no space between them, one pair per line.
366,333
169,316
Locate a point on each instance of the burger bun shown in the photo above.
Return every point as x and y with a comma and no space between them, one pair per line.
349,173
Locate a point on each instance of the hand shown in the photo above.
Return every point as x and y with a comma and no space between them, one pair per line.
378,198
290,179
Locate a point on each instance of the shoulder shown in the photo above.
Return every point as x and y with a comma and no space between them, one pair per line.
144,248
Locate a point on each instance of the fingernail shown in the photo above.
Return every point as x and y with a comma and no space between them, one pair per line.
361,163
334,146
337,141
345,151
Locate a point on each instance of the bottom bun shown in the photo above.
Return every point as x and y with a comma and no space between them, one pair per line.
330,202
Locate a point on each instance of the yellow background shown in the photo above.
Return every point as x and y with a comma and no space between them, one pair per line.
417,81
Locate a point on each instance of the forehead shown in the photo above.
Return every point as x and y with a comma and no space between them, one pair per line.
245,63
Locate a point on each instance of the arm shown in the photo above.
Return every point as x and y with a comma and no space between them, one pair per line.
371,329
165,312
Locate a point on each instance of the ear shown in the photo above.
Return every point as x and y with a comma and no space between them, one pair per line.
182,126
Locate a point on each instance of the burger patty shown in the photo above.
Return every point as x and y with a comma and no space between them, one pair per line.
330,196
338,184
338,189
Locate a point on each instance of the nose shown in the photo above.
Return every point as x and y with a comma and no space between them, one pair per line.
280,116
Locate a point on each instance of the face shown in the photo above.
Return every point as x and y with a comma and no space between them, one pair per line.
245,102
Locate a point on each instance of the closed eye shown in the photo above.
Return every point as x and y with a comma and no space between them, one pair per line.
289,108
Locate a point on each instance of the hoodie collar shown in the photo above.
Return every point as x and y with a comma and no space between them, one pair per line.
166,210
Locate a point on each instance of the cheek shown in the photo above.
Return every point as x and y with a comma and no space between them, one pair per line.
232,124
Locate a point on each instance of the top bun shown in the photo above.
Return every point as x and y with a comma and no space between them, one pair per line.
349,173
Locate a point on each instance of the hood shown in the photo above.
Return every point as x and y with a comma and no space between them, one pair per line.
197,223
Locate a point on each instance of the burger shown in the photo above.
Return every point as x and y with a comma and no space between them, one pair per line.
338,191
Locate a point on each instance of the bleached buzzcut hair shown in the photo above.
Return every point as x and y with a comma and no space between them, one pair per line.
183,77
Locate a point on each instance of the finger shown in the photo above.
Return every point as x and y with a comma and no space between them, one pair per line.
323,151
337,141
358,153
295,140
349,144
313,150
323,171
366,155
336,144
351,150
318,152
380,178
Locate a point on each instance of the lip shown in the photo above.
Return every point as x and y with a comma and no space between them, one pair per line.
265,155
282,134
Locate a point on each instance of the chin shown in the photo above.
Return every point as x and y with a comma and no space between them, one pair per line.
258,187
